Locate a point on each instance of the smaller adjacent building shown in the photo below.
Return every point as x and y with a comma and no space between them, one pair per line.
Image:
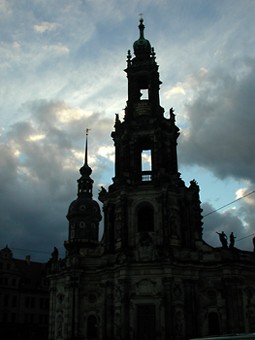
24,298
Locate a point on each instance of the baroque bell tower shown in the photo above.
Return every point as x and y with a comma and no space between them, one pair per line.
148,200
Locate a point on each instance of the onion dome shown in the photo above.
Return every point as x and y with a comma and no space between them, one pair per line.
142,46
86,208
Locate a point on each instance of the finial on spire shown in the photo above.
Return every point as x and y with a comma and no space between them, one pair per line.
141,26
85,182
86,147
142,47
85,170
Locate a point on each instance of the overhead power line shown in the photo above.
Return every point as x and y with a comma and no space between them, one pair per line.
226,205
210,213
245,237
30,251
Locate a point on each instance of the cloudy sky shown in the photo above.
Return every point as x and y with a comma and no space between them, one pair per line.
61,71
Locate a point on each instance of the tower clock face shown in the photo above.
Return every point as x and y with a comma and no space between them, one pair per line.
82,207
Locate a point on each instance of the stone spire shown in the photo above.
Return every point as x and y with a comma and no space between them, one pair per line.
85,183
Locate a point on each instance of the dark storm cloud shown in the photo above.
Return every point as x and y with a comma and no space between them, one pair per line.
8,165
221,135
228,221
220,138
70,50
39,167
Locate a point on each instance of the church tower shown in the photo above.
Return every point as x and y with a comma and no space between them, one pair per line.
151,217
151,277
83,214
148,200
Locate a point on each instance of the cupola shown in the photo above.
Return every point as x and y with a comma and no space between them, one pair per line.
142,46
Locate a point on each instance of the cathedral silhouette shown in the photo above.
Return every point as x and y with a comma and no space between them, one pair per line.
152,276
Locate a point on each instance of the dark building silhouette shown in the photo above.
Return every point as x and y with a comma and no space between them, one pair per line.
24,298
152,276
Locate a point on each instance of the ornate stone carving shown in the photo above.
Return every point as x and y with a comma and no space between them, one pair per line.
146,250
146,287
177,291
179,324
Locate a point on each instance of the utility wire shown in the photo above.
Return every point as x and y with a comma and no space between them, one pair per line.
226,205
245,237
210,213
33,251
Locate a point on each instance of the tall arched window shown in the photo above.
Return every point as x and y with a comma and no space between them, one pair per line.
213,324
145,217
92,327
145,149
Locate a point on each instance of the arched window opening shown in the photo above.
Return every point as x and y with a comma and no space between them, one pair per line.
146,165
145,218
213,324
92,327
146,160
144,94
143,86
145,148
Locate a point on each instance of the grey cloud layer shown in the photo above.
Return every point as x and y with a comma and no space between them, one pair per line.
38,177
220,139
68,57
221,131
